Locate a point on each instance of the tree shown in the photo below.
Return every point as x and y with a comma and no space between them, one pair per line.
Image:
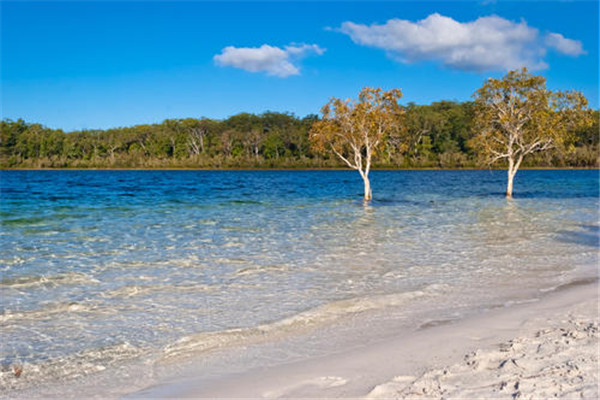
516,116
273,145
355,130
197,134
421,123
112,140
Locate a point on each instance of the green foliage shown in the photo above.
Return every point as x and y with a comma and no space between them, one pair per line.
433,136
438,133
356,130
516,116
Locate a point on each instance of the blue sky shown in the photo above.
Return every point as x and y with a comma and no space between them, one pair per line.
82,65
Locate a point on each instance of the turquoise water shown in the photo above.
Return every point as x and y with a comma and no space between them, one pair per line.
101,269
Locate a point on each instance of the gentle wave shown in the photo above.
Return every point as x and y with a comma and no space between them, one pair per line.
574,283
91,361
140,290
50,311
312,318
68,278
261,270
66,368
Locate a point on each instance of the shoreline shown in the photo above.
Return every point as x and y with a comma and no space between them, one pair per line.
421,359
301,169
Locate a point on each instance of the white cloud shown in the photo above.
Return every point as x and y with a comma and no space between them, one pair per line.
563,45
303,49
488,43
270,59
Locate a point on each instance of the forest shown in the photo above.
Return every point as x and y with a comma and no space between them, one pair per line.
431,136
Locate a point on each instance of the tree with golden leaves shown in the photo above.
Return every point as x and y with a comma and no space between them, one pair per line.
355,130
516,116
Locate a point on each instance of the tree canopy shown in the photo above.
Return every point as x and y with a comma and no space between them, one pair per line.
356,130
517,115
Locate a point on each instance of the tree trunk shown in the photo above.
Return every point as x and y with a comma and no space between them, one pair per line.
512,170
509,184
112,153
368,192
513,167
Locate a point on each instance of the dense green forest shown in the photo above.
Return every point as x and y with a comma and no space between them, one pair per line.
432,136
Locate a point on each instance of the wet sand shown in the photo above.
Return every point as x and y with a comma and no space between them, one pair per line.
543,349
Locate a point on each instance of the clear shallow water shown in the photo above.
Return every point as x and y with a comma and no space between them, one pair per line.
99,269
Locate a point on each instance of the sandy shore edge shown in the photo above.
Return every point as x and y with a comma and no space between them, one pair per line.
547,348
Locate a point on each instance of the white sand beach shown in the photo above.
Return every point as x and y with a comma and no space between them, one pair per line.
543,349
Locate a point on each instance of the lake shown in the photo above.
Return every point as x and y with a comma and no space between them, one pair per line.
113,278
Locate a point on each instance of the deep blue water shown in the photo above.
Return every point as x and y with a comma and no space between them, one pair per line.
98,268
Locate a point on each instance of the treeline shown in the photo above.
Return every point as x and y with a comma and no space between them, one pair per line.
432,136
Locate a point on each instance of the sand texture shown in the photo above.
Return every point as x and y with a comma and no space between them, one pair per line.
558,362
